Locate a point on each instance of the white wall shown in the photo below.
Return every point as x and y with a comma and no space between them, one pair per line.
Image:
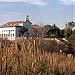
20,24
8,32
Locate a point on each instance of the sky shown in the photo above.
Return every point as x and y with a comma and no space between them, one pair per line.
39,11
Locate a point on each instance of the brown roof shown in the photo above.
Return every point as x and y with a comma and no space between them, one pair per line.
11,24
3,26
14,23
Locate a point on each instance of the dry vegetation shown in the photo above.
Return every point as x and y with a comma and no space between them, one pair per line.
31,59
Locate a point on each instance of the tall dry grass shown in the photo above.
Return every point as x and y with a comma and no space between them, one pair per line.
30,59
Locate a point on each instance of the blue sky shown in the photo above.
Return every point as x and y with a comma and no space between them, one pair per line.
39,11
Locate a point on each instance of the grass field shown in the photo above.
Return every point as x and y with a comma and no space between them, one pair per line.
30,59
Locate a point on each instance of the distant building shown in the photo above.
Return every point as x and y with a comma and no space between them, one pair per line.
11,30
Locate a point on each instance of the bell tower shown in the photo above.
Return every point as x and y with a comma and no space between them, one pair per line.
27,24
27,18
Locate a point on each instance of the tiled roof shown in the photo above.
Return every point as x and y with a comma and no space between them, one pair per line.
11,24
3,26
14,23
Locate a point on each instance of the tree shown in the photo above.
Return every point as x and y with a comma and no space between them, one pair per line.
36,31
72,24
68,33
72,37
62,33
69,25
23,31
55,30
45,30
50,31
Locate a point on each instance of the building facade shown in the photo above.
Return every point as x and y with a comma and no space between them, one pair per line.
11,30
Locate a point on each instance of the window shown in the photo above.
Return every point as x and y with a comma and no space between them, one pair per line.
9,31
4,35
13,35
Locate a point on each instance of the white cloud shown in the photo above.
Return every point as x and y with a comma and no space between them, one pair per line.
15,13
35,2
67,2
11,14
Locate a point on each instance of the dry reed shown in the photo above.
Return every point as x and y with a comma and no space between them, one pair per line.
31,59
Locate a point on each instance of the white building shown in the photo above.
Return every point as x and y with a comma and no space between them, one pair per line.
11,30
